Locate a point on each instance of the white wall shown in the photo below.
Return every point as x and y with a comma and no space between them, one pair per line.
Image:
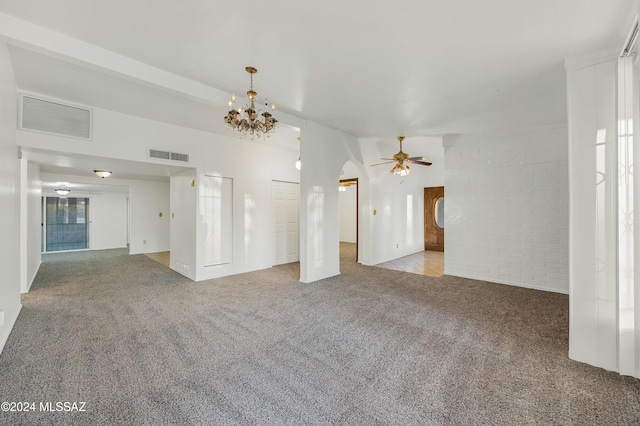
506,209
397,227
182,224
324,151
149,230
348,214
251,164
108,215
30,223
9,199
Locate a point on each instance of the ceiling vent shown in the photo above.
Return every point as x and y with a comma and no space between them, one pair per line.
55,117
166,155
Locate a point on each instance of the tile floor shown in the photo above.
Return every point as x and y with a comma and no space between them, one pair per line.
429,263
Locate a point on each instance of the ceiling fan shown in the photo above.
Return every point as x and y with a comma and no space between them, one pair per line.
401,158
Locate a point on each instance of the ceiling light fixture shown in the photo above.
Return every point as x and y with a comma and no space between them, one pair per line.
62,190
102,173
247,121
402,159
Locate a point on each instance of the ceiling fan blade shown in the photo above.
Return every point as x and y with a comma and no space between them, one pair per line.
386,162
389,159
422,163
423,159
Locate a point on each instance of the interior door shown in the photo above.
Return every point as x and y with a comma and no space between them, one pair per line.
285,196
434,218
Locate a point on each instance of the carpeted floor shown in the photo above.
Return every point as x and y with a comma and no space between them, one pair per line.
142,345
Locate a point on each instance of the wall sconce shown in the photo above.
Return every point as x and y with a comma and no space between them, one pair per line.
102,173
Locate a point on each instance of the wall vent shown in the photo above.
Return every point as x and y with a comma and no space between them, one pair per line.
154,153
182,268
166,155
180,157
55,117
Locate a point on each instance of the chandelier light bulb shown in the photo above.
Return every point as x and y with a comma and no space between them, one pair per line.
250,121
273,107
298,164
230,103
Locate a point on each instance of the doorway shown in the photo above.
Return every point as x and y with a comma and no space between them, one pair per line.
434,218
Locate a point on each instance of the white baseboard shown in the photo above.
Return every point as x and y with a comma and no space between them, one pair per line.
511,283
33,278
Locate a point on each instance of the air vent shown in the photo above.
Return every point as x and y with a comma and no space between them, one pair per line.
166,155
154,153
180,157
55,117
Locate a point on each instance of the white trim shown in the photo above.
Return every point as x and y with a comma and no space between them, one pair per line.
511,283
33,278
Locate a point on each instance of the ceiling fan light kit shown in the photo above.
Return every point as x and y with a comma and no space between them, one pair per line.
402,161
249,121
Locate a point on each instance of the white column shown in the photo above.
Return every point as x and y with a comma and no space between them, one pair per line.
604,329
591,96
627,351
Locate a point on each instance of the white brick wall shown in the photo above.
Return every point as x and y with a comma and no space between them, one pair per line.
507,209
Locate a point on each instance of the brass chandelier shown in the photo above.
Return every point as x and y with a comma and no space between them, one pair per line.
249,121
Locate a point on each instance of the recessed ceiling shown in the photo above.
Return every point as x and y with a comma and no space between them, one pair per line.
77,171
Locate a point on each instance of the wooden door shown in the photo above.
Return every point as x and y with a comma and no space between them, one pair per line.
434,213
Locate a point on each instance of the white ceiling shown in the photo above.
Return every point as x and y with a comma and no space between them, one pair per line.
372,69
76,171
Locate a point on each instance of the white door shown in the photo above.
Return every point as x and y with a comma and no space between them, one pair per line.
285,196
